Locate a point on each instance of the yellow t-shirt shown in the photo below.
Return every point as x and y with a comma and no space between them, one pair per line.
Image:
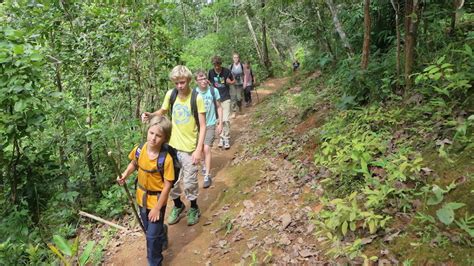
184,133
151,181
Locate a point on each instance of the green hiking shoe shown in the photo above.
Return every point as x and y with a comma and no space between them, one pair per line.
175,215
193,216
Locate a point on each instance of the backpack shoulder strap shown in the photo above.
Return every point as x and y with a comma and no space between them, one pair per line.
214,100
138,151
173,96
194,109
160,161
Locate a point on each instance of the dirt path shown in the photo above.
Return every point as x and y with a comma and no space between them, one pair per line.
190,242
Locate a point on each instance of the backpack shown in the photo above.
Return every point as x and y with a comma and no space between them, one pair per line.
160,162
194,110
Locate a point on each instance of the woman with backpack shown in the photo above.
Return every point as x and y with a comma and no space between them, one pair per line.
249,81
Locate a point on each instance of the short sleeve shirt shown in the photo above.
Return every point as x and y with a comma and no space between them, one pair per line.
184,133
209,103
219,82
150,181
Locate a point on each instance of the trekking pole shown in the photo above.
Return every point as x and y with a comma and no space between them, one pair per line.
117,171
256,93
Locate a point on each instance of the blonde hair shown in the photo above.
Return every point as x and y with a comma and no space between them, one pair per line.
164,123
180,71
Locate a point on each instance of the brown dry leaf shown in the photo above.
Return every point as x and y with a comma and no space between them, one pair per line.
390,237
426,170
222,243
237,236
284,240
310,228
318,208
285,221
248,204
305,253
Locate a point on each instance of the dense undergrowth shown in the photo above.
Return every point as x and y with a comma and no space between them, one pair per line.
397,174
395,164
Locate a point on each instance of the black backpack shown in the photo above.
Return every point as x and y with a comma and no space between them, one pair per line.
194,110
160,162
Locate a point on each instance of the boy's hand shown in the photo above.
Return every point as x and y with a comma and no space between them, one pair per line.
154,215
120,180
219,129
196,156
146,116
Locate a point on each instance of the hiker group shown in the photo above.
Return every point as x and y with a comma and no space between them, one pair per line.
168,162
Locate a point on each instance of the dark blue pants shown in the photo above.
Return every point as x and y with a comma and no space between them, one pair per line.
155,237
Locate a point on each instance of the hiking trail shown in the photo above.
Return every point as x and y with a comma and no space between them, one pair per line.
189,244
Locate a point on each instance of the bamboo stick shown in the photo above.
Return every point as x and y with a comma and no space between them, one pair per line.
102,220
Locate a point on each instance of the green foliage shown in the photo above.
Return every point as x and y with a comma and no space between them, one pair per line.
68,253
440,79
466,223
438,194
342,215
112,203
446,213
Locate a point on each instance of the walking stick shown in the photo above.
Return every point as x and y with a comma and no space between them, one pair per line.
117,171
256,93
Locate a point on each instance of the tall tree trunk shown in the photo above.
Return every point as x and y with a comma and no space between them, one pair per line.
457,4
266,58
366,45
185,22
89,151
326,40
13,170
254,37
339,29
152,51
396,8
62,126
412,8
275,47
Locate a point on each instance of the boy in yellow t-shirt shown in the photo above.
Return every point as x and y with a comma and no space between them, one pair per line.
153,188
187,138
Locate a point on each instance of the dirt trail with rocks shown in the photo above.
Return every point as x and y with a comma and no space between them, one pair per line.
193,244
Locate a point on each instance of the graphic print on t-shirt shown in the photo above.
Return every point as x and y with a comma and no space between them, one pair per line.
219,82
181,114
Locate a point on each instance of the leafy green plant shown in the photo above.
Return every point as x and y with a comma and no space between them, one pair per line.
466,223
68,253
446,213
438,194
342,215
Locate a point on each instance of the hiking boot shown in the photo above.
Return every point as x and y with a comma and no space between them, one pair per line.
175,215
226,144
207,181
193,216
165,240
221,143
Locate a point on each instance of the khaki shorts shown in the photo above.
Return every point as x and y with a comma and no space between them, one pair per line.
210,134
